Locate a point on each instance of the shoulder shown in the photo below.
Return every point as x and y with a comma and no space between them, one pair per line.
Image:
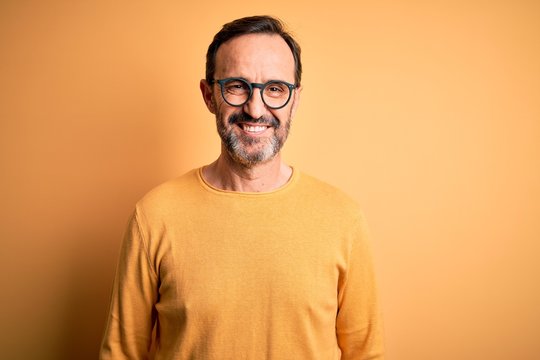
328,196
331,208
167,197
325,191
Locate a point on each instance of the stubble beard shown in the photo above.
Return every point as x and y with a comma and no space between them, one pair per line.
241,147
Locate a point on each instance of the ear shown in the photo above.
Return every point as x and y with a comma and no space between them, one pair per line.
295,100
207,94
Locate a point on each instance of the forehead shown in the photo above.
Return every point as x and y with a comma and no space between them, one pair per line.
256,57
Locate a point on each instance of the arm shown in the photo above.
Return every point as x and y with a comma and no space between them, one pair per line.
358,324
128,334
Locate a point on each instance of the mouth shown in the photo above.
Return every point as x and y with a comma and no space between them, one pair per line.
253,129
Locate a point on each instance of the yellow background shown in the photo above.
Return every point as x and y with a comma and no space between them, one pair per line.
426,112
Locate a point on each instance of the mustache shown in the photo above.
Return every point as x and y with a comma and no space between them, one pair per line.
263,120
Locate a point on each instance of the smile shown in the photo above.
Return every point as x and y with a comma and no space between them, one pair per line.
253,129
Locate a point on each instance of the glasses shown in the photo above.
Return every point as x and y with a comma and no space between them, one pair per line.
237,91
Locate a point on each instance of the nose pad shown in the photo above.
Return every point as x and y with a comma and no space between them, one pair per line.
255,106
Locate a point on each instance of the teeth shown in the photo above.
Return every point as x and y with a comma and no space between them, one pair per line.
253,129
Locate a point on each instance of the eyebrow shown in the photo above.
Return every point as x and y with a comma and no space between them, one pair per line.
263,82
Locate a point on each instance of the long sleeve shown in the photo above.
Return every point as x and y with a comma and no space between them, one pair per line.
128,334
358,324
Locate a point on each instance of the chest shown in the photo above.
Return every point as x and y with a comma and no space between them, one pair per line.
251,268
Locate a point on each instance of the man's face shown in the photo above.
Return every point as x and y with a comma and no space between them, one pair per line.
253,133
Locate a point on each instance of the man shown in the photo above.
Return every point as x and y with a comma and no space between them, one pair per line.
246,258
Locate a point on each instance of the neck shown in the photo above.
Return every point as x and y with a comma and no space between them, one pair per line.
227,174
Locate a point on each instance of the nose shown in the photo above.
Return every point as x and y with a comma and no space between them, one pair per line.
255,106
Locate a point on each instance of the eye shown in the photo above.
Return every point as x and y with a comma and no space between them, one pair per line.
236,87
276,89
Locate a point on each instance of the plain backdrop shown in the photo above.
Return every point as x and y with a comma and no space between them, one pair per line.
425,112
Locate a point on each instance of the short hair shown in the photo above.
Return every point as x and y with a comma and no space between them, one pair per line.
252,25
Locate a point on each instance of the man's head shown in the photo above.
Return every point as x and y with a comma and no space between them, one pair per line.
252,25
253,111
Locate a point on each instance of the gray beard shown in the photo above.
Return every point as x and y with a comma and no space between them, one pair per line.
236,144
235,147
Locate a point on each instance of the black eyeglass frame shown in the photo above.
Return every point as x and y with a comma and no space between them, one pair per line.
251,86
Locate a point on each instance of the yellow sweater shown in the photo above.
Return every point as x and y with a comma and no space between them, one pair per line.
285,274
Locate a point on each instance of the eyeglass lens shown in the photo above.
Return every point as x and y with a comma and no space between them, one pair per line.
237,92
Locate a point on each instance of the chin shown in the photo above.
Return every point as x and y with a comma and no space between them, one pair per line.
252,159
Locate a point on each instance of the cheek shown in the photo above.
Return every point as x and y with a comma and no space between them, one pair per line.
221,107
294,104
223,114
283,115
216,105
